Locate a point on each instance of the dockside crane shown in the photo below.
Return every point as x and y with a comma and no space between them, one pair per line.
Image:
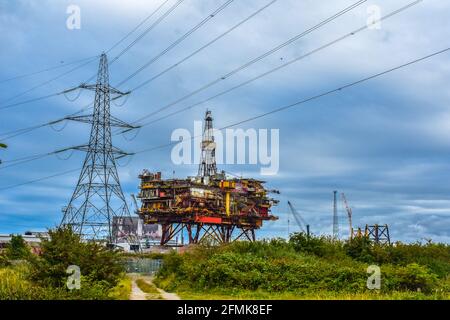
299,219
349,214
135,203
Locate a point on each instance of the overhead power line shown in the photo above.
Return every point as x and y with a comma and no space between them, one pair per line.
177,64
177,42
284,65
137,27
19,132
22,160
337,89
115,59
49,81
255,60
326,93
59,66
40,179
36,157
147,30
63,64
279,109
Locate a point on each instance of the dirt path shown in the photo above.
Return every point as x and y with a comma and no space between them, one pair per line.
167,295
138,294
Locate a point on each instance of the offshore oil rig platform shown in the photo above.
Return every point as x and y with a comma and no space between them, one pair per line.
207,206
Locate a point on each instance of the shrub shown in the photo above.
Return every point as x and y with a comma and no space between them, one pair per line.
4,262
65,248
360,249
122,290
17,249
415,277
304,264
319,246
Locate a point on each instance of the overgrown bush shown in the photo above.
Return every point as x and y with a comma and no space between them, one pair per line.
15,285
320,246
17,249
360,249
306,264
98,264
4,262
413,277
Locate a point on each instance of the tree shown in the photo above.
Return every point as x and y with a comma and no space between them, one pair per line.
17,249
65,248
360,248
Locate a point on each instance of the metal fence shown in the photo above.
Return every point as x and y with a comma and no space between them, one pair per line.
146,266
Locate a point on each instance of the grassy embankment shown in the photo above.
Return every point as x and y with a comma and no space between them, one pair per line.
24,276
307,268
16,284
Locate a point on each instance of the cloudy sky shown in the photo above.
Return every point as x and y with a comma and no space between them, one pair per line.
384,143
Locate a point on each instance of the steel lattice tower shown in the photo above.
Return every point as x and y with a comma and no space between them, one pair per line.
98,201
207,167
335,216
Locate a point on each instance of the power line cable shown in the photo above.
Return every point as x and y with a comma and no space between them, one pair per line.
26,130
8,106
88,58
177,42
115,59
177,64
327,93
336,90
18,132
137,27
32,158
61,65
284,65
22,160
40,179
255,60
151,27
48,81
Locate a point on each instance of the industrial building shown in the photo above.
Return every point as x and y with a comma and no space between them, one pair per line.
33,239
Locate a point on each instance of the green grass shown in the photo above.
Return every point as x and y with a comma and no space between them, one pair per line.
323,295
316,268
15,284
122,290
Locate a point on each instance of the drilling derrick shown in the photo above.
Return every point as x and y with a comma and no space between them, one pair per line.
209,206
207,167
97,209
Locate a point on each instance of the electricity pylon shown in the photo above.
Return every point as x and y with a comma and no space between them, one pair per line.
97,209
